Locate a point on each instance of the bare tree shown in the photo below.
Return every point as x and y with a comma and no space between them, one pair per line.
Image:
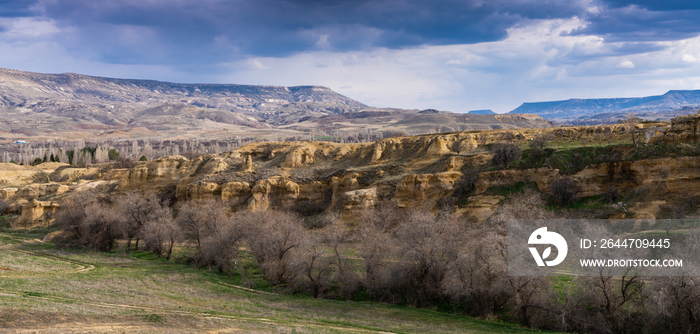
100,227
273,237
161,233
135,211
73,212
630,123
616,298
482,140
336,236
678,300
384,217
505,153
200,220
528,293
428,243
221,247
4,207
476,280
315,266
565,190
539,143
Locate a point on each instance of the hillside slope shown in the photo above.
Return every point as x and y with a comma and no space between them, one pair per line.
35,106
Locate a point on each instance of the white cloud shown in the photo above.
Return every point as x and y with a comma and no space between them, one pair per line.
538,61
688,58
27,28
625,64
535,63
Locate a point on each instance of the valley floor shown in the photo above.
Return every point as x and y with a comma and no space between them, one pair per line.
44,289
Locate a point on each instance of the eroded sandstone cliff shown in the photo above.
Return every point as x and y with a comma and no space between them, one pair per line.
312,177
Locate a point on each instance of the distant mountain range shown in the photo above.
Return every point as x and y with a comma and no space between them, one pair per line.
482,112
47,106
674,100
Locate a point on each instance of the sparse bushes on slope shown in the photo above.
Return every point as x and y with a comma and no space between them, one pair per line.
274,239
505,153
565,190
4,207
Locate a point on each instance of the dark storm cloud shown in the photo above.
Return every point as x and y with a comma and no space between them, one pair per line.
210,31
656,5
17,8
279,27
638,24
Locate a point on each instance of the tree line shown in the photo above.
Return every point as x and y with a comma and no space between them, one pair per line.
400,256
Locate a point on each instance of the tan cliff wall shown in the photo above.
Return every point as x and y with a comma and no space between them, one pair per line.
410,171
679,175
683,129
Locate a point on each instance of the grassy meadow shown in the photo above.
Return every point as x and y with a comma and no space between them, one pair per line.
52,290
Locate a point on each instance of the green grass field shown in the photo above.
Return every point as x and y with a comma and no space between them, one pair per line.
51,290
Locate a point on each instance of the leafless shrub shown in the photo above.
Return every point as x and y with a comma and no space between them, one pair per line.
199,221
41,177
221,246
677,303
336,237
612,195
274,237
565,190
508,136
56,176
4,207
73,212
428,244
315,267
670,212
457,146
476,280
161,233
123,163
135,210
505,153
100,227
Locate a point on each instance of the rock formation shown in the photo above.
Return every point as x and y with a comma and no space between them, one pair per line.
315,176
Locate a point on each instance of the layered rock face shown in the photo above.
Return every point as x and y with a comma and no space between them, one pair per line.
36,214
311,177
424,189
684,129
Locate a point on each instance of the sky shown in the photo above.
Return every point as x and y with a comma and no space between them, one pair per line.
442,54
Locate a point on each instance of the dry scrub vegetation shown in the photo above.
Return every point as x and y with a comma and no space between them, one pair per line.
405,257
